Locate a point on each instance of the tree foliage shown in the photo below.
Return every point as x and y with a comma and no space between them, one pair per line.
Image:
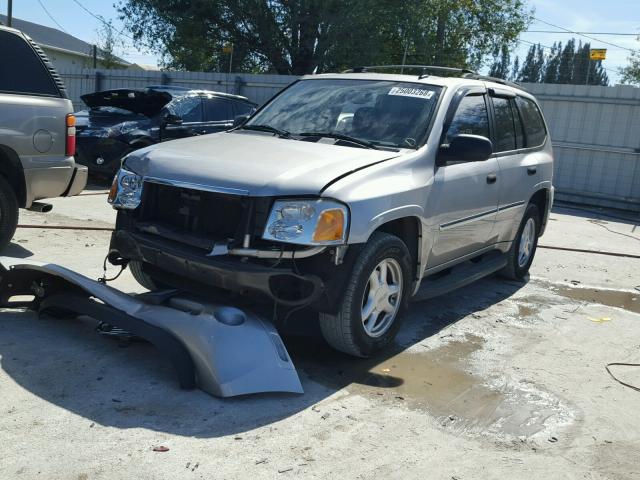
566,64
631,73
303,36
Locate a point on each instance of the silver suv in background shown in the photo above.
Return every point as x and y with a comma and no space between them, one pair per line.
37,132
347,194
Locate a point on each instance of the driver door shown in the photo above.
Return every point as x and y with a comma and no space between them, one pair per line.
463,202
189,108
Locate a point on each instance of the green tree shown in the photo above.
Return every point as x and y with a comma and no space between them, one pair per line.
107,44
515,71
565,68
501,63
532,70
303,36
552,64
631,73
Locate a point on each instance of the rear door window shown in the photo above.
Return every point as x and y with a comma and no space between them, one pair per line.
505,136
187,108
218,110
21,70
470,118
534,129
518,124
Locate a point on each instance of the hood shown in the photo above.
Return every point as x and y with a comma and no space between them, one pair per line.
145,102
254,164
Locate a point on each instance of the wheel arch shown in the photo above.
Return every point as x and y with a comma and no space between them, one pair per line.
542,199
11,169
409,230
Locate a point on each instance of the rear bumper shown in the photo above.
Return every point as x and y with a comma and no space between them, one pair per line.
174,263
52,182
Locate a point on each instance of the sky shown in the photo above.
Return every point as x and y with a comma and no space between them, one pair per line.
619,16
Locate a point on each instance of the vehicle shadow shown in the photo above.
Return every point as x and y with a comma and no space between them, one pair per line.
63,361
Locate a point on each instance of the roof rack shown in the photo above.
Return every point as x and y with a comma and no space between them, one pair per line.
424,68
464,72
476,76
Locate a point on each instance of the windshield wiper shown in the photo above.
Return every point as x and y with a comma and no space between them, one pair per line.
268,128
340,136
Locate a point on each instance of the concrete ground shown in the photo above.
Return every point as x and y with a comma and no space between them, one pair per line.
498,380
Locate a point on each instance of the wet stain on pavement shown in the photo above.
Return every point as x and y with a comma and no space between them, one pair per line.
612,298
435,381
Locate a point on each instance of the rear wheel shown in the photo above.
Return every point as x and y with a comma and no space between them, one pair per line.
8,213
524,246
375,301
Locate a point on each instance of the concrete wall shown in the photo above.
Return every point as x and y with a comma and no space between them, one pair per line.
595,130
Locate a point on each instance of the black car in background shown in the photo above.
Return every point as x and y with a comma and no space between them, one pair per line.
122,120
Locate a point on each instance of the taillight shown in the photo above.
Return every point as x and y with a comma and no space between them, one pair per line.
70,143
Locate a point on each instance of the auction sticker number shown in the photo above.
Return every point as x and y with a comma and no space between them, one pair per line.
411,92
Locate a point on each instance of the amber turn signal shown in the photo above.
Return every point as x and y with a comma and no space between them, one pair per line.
114,190
330,226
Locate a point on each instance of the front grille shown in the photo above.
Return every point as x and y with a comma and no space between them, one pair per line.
195,217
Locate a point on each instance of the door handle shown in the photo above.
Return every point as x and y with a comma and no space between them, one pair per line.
491,178
531,170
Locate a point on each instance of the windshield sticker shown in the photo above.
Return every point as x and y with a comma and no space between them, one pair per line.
412,92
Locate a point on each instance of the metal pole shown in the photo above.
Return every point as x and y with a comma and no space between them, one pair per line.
588,71
95,57
404,57
9,12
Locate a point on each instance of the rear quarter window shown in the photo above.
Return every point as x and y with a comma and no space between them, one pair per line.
21,70
534,129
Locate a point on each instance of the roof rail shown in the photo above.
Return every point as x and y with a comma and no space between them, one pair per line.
423,68
476,76
464,72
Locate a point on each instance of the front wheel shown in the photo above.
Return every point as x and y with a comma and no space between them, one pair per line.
376,298
521,254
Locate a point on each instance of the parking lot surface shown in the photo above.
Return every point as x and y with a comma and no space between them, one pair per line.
497,380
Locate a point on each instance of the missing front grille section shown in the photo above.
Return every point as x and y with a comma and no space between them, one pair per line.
198,218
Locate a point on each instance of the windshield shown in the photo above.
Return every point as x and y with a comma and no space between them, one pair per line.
394,114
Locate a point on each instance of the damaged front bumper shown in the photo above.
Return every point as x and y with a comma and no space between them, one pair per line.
283,285
221,349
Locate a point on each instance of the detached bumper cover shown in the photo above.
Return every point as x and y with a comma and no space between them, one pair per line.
229,352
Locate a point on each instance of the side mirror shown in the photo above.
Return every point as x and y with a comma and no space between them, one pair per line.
171,119
465,148
239,120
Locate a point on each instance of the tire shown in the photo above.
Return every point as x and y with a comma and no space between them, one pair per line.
347,331
8,213
517,266
145,280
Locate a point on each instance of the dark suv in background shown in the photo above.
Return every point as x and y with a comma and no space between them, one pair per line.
123,120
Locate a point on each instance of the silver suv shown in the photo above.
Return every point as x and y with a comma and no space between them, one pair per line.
37,132
348,195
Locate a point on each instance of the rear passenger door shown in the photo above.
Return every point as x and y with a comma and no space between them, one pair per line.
218,114
518,132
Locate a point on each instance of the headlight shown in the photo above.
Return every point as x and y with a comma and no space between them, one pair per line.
307,222
126,190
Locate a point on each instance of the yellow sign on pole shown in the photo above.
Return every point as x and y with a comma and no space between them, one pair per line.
227,48
598,53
